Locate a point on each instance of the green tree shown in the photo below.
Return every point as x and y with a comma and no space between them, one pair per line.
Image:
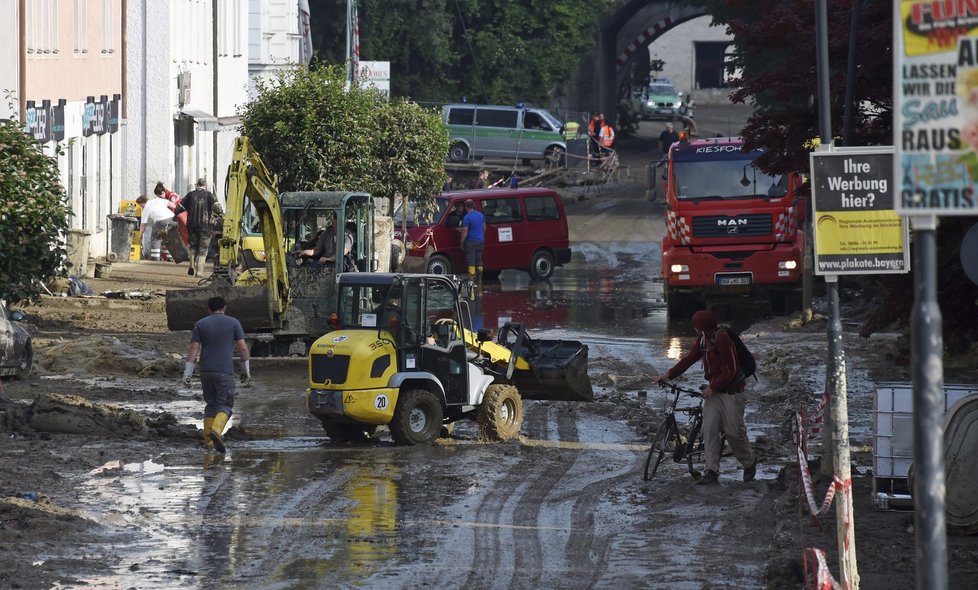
318,136
34,216
775,54
497,51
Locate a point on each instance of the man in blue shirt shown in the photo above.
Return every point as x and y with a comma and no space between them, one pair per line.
473,240
215,338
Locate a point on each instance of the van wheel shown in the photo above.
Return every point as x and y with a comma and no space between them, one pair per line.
26,363
417,418
458,152
439,265
556,156
542,265
501,413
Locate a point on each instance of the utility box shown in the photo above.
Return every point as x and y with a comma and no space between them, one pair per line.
76,246
893,439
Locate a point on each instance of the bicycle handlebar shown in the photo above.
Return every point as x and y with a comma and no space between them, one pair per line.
679,388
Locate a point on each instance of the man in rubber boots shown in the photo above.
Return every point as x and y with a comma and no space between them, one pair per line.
723,398
214,338
473,241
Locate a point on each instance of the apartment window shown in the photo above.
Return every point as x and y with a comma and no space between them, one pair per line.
81,26
108,26
42,27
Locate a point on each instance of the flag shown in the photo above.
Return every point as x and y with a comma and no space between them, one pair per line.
305,34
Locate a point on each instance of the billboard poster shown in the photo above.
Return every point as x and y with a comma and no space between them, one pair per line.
935,106
856,230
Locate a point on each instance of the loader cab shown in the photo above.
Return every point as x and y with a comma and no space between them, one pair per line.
420,315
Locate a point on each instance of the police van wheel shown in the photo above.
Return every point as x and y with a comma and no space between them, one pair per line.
458,152
555,156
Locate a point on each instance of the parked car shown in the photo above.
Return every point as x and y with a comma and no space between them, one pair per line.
663,101
16,349
526,229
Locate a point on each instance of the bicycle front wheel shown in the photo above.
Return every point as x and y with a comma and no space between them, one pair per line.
660,444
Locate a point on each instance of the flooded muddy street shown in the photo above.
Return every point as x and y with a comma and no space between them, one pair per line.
132,500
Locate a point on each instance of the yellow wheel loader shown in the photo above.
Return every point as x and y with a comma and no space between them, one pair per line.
284,304
402,355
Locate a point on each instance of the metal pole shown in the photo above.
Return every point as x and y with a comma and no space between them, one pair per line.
844,521
825,126
928,411
857,6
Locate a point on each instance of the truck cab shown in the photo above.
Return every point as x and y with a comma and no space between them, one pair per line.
731,229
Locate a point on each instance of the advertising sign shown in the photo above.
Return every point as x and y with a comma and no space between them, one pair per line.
376,74
935,107
857,230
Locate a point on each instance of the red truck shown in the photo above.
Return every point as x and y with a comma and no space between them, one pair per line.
731,230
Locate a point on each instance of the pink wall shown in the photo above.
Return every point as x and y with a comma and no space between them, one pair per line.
74,76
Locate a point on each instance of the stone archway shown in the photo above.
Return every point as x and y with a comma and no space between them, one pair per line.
625,36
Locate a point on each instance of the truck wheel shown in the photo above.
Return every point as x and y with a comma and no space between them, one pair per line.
347,432
501,413
439,265
417,418
542,265
458,152
679,306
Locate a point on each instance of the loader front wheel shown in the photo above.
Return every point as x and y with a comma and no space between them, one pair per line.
417,418
501,413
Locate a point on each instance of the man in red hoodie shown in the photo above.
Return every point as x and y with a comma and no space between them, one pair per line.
723,398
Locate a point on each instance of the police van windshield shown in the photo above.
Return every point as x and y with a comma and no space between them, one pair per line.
425,213
726,179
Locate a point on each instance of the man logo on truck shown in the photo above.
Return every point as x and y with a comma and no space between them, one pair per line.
731,222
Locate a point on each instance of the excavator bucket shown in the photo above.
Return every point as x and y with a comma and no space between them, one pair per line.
558,371
250,305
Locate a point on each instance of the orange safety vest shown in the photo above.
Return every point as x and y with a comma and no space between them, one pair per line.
607,136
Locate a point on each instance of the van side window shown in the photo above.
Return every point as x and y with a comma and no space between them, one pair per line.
461,116
542,208
534,121
502,211
497,118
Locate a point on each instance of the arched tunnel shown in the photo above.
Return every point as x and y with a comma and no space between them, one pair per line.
624,39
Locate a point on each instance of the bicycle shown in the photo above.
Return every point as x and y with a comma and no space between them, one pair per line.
669,436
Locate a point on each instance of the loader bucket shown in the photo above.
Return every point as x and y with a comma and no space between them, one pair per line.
558,371
250,305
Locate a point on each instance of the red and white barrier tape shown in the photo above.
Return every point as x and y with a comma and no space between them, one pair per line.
822,576
429,238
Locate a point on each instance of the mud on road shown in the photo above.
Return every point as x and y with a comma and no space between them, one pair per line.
104,481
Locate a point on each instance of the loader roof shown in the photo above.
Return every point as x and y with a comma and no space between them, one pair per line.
319,199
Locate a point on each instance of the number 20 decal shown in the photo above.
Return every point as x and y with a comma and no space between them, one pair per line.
381,402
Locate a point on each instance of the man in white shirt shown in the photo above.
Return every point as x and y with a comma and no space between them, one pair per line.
156,214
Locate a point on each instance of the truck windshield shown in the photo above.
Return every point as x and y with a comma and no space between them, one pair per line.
725,179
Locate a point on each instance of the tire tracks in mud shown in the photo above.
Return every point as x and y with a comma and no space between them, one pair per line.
522,500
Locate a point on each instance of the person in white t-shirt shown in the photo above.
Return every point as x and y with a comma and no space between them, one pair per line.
156,214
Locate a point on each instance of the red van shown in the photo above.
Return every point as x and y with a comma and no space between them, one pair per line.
526,229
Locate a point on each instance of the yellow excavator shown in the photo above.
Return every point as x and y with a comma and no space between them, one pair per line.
283,304
403,354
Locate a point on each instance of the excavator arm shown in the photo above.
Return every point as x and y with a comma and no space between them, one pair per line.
249,180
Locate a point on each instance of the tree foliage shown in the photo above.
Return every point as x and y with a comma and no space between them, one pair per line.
34,216
317,136
776,58
492,51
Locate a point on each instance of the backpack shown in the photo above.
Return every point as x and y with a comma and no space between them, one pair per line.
745,360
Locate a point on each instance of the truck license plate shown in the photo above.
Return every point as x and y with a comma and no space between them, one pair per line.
733,280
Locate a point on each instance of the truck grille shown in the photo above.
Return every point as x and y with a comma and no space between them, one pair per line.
327,369
733,226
